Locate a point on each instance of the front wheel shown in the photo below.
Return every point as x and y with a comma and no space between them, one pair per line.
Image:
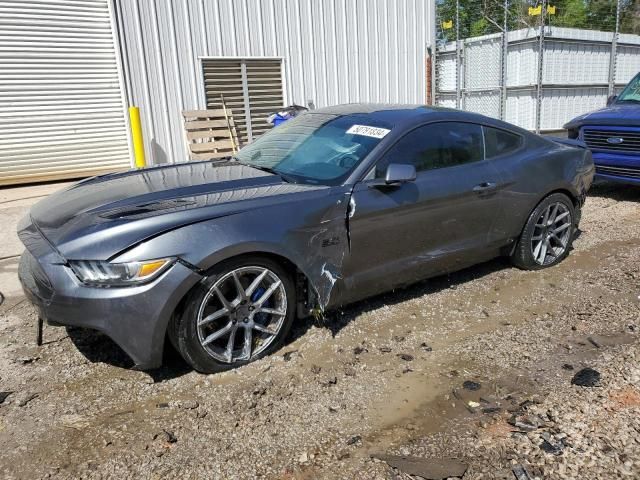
548,235
241,312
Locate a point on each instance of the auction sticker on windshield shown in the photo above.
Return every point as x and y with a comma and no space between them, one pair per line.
367,131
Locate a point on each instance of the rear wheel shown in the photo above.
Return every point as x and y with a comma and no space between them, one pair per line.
241,312
547,237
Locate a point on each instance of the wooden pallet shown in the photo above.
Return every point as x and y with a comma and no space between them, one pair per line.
210,134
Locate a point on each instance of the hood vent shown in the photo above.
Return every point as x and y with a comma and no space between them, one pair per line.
147,209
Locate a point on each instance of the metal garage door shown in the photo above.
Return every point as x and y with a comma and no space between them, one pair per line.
61,106
251,87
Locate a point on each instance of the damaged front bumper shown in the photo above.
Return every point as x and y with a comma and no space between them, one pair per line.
134,317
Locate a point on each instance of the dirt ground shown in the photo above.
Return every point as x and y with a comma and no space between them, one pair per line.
385,376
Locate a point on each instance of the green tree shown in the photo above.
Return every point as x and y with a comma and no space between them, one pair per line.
630,17
481,17
477,17
569,13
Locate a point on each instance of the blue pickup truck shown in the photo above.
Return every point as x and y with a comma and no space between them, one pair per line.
613,135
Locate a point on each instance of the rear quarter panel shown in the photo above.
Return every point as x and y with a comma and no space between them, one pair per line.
540,168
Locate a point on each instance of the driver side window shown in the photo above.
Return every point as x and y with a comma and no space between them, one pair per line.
437,145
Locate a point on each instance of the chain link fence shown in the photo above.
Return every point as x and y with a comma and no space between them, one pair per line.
535,63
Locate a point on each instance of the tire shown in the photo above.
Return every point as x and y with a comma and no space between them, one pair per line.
198,328
555,235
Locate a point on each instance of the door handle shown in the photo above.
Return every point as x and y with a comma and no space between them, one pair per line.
484,187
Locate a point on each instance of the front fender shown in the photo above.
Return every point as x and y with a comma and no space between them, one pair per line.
312,235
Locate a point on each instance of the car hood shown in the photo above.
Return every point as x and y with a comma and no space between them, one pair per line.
623,114
101,216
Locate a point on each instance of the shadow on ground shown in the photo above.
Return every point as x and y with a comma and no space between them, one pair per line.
615,191
338,319
98,348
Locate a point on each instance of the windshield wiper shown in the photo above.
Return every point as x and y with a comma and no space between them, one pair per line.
283,176
634,100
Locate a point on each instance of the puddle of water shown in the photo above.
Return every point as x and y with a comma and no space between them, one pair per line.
421,403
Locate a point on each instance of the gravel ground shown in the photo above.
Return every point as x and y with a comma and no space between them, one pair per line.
383,376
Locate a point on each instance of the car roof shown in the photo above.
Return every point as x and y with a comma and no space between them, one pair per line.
389,113
407,115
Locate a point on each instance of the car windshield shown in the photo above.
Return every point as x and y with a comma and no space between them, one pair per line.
315,148
631,92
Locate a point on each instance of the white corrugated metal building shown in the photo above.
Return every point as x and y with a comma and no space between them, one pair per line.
70,68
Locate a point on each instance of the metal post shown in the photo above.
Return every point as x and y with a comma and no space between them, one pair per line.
433,40
247,106
136,137
543,15
428,75
434,74
463,75
503,63
457,54
614,52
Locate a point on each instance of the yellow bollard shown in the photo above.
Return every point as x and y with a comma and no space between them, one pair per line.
136,137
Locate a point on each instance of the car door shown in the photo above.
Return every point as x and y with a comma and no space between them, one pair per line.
440,222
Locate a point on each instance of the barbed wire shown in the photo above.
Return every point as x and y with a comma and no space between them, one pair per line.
482,17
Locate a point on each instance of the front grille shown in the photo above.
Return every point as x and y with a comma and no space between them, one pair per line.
606,140
619,171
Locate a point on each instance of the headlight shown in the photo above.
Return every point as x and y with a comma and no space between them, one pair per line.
106,274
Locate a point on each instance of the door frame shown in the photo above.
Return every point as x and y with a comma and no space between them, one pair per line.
361,173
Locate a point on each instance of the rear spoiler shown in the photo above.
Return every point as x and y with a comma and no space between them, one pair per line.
569,142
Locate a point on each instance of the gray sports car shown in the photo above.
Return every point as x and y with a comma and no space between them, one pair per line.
329,208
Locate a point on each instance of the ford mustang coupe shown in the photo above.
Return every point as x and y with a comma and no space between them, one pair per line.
331,207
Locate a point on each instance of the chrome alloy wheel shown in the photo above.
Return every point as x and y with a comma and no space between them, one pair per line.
551,233
242,314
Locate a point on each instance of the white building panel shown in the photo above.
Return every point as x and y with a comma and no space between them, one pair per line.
482,56
572,62
486,103
446,72
332,51
521,108
522,64
559,105
628,64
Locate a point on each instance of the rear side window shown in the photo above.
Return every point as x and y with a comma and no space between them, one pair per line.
437,145
500,142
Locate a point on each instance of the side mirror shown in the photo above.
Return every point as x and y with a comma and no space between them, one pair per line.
397,174
611,99
400,173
